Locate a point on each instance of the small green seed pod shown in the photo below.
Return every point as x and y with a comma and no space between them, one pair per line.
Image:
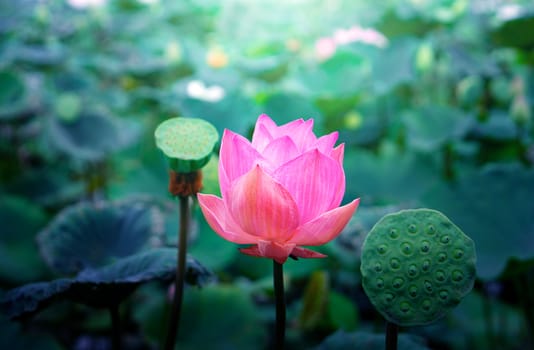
426,266
186,142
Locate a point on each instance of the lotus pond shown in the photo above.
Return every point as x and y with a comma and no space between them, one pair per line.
379,152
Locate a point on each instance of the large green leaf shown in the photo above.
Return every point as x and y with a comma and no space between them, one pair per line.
19,256
341,75
476,317
104,286
495,208
217,315
268,68
499,127
284,108
49,187
388,178
371,341
89,235
15,99
431,127
512,33
39,55
394,65
242,110
91,136
16,337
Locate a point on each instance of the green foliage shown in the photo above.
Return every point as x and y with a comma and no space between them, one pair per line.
105,286
91,235
499,234
432,99
19,253
365,340
222,315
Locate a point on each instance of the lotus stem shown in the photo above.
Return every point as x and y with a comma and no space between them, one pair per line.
280,328
392,333
174,322
115,325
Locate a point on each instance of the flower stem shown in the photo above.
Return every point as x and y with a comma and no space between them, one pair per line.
174,322
278,281
115,327
392,333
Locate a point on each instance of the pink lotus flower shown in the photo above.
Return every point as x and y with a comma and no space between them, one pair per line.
279,192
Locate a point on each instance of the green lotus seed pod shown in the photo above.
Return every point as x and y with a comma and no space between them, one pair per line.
186,142
426,266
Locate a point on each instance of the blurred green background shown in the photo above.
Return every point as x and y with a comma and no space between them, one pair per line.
433,100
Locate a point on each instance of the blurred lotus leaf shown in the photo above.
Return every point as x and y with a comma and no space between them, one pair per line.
499,127
204,327
342,74
104,286
14,97
495,206
49,187
388,178
91,136
20,338
511,33
19,255
431,127
89,235
268,68
39,55
369,341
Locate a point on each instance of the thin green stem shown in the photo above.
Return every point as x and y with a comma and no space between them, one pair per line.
115,327
392,333
174,322
280,300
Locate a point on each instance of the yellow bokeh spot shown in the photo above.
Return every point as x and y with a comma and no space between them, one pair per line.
293,45
128,82
353,120
173,52
217,58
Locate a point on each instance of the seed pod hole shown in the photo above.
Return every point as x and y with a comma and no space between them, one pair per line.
457,275
394,263
441,276
379,283
425,246
398,283
412,270
458,253
406,248
413,291
382,249
405,307
426,305
378,267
